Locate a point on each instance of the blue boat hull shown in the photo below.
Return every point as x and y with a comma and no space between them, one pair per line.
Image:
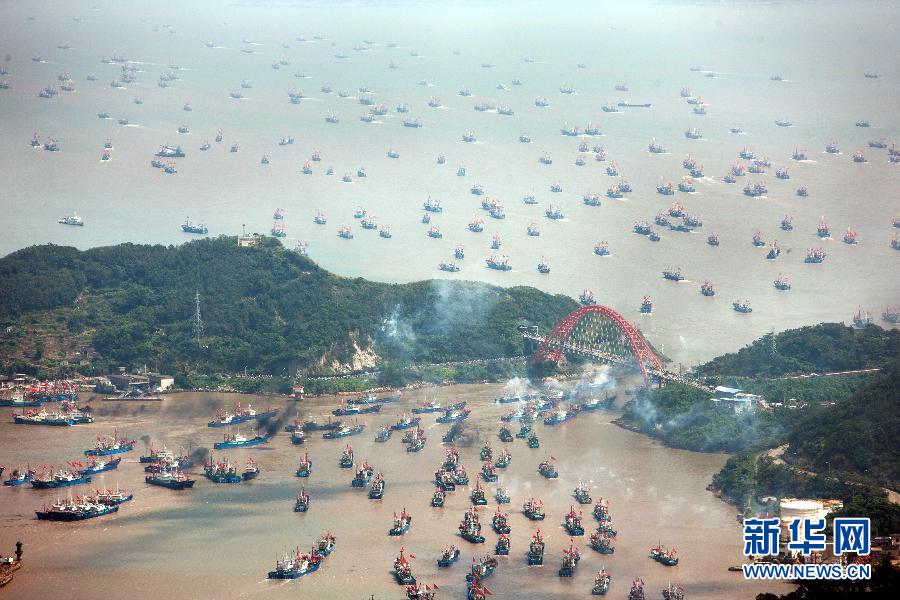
28,404
225,479
53,423
45,485
107,467
127,448
172,485
127,498
292,574
253,442
15,482
49,516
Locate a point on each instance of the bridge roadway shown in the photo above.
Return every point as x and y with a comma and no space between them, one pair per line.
628,361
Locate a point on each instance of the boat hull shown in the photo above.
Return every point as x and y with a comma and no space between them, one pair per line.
292,574
51,422
107,467
73,516
172,485
254,442
47,485
108,451
15,482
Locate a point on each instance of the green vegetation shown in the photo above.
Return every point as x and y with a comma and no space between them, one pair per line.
819,348
265,310
684,417
746,477
834,388
857,437
845,451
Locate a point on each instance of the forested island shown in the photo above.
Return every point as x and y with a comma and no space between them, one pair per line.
819,435
264,309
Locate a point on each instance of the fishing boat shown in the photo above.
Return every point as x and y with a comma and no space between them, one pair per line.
774,251
302,503
97,466
571,556
500,522
582,494
536,549
601,583
189,227
534,509
428,407
345,431
238,440
664,556
42,417
73,219
173,479
346,461
543,265
451,415
449,556
112,498
77,509
363,476
502,496
573,522
489,472
504,458
403,570
547,470
383,435
305,467
376,490
673,592
482,569
355,409
814,255
533,441
437,499
601,511
561,414
110,445
251,470
782,283
221,471
401,523
742,306
477,496
296,565
19,476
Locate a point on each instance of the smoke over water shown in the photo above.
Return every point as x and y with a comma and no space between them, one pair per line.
274,426
199,455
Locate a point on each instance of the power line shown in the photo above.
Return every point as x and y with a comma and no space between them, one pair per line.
198,321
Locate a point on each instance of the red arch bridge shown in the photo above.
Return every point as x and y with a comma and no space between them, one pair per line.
599,333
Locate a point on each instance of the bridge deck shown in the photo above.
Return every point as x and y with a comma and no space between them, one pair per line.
627,361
